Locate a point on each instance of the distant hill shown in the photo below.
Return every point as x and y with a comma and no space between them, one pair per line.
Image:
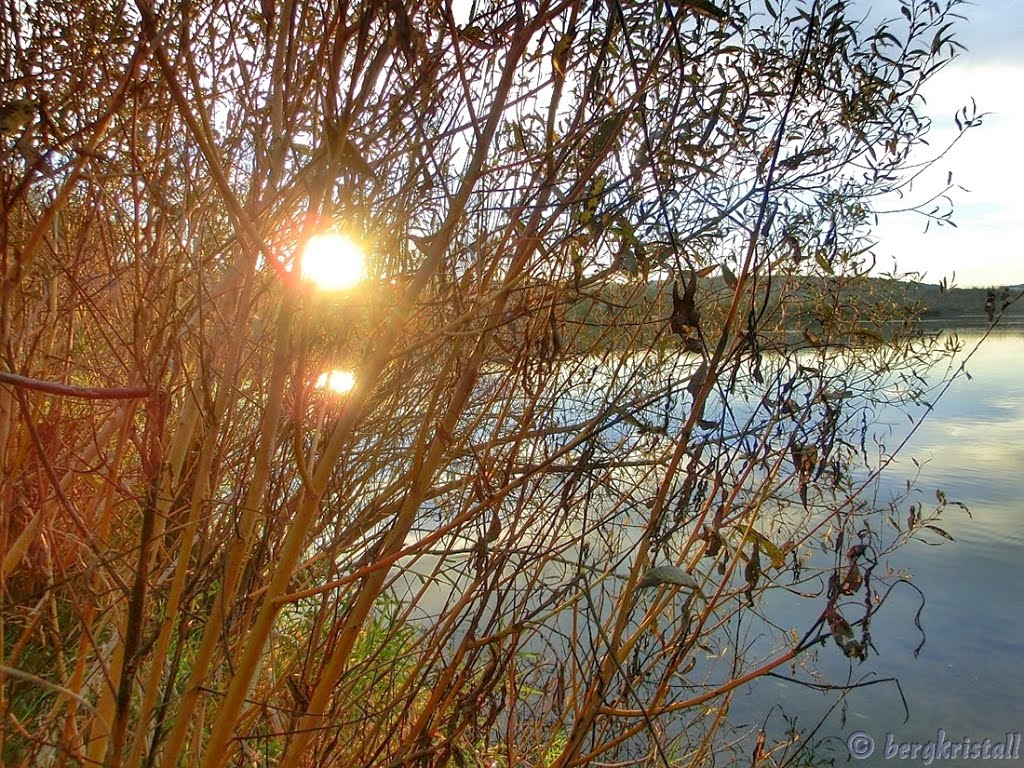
968,303
632,314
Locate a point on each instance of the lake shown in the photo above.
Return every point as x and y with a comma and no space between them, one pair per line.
968,677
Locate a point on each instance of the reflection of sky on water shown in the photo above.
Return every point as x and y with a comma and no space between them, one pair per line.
968,678
972,447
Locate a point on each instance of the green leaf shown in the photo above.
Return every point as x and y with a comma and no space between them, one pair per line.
560,56
768,547
603,134
703,8
729,276
667,574
939,531
624,229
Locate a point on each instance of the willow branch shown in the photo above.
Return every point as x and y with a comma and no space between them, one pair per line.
71,390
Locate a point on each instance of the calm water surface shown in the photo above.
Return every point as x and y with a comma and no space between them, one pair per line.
968,678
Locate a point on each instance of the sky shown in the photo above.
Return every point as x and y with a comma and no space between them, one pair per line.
985,248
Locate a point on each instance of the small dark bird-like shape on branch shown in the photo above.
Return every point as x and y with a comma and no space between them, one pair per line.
684,307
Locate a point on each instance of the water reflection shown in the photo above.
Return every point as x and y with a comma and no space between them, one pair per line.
968,677
567,569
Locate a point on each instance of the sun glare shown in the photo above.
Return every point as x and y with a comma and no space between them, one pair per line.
332,262
337,381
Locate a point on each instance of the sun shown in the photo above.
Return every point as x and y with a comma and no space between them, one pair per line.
332,262
338,381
